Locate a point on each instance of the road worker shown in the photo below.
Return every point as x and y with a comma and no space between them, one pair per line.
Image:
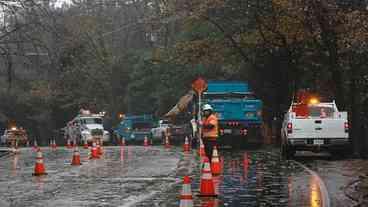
209,130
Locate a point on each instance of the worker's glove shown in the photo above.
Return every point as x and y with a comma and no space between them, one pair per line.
200,122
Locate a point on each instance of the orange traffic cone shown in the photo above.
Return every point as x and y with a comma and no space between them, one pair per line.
94,153
39,167
54,146
186,197
35,145
68,144
76,157
207,188
201,150
167,142
85,144
99,149
145,142
215,162
186,147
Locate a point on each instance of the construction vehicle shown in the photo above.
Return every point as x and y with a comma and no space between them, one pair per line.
86,126
238,110
311,125
14,135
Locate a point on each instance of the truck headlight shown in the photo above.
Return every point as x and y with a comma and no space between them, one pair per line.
86,133
249,114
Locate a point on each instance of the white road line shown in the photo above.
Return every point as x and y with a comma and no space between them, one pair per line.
325,197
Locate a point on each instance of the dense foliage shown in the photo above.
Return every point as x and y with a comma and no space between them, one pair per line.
140,56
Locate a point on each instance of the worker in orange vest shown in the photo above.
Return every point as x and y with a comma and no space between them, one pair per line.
210,130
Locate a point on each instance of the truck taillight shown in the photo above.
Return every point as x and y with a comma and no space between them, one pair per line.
289,128
346,126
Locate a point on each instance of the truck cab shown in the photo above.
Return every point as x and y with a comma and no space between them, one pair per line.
238,110
135,128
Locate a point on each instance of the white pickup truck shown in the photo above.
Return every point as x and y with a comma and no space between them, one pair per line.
314,127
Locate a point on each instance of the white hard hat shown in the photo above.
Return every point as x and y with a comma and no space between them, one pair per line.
207,107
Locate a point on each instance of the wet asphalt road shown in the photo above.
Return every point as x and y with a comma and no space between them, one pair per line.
139,176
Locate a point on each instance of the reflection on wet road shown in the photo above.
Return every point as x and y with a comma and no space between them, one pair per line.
138,176
253,178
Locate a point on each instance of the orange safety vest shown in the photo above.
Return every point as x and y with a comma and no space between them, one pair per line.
210,133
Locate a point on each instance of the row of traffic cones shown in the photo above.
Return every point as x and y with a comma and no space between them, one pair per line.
96,152
208,185
146,143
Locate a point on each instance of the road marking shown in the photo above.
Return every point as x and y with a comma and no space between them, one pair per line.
322,186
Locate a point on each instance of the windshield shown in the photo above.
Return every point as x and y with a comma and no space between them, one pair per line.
321,111
91,121
142,126
233,96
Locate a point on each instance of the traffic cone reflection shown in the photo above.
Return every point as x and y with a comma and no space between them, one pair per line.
207,188
14,165
16,149
76,157
245,166
210,202
186,197
39,167
186,146
94,153
215,162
